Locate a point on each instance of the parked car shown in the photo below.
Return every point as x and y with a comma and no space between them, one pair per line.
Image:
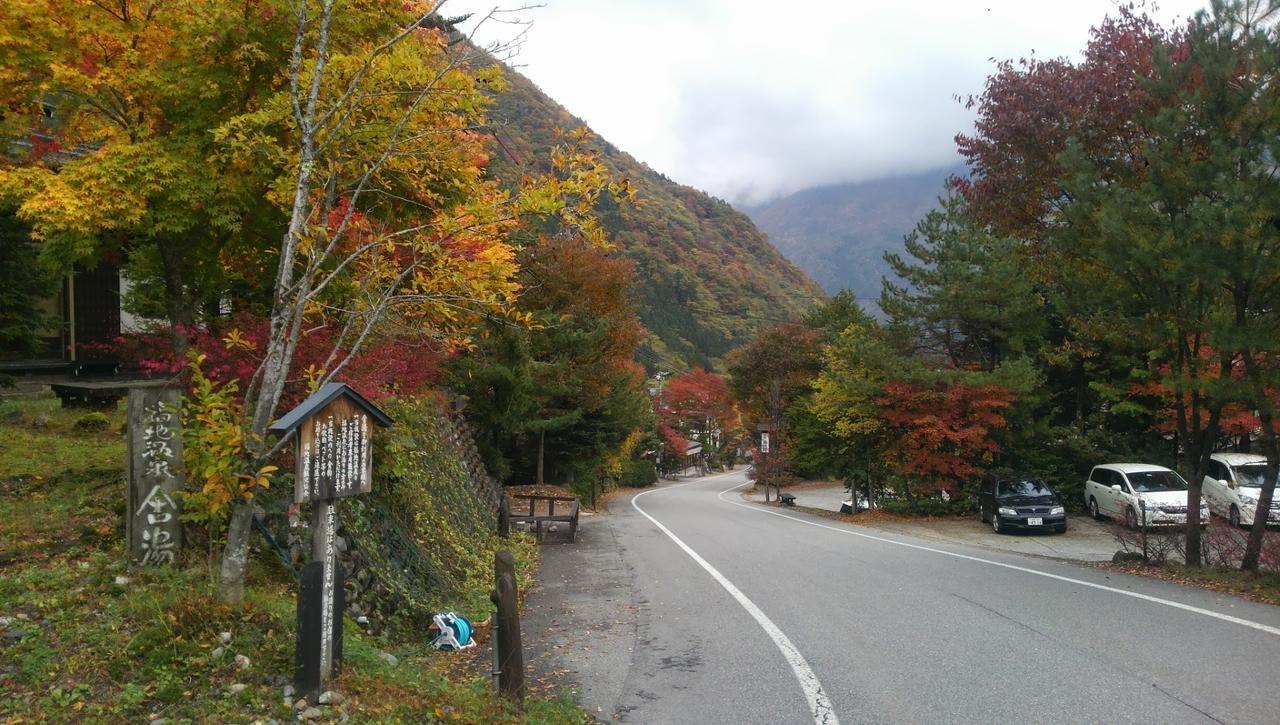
1232,484
1019,501
1131,490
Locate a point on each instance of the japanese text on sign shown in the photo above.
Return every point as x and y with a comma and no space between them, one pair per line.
334,456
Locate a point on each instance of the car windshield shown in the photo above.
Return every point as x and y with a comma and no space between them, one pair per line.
1149,481
1251,474
1028,487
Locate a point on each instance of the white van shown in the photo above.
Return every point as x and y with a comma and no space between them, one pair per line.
1129,490
1232,485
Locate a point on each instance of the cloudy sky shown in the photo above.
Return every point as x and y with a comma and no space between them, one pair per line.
750,100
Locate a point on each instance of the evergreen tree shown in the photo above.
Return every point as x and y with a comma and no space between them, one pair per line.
962,296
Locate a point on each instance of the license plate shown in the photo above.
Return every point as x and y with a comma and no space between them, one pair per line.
1035,522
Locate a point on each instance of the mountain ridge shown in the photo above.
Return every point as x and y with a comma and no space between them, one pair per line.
707,277
838,233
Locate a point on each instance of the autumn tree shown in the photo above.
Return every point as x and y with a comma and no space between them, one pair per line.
120,108
1031,109
774,369
941,434
698,405
772,377
336,150
566,385
929,427
1198,224
856,365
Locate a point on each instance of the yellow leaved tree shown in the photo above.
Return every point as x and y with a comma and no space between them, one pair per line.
331,153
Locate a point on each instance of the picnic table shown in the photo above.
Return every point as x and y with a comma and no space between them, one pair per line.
543,508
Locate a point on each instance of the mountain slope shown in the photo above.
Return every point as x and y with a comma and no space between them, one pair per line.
707,278
839,234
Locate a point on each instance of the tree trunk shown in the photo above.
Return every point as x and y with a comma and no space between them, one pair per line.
236,554
181,315
1193,521
542,444
1253,548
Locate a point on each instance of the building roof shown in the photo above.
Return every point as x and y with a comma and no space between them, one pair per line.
328,393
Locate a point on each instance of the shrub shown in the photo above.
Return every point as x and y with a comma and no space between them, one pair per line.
428,531
94,422
931,506
638,473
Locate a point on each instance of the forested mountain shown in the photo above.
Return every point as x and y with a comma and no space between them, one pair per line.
839,234
707,277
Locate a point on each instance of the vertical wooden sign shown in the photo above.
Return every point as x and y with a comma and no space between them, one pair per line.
152,523
334,429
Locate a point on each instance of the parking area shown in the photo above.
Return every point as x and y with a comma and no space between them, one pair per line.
1085,539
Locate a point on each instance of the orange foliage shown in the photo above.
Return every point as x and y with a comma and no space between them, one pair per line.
940,432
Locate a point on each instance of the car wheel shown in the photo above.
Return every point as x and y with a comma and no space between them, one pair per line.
995,523
1130,518
982,516
1061,529
1235,516
1093,508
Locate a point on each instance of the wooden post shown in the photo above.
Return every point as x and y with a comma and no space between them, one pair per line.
510,657
333,429
504,517
152,528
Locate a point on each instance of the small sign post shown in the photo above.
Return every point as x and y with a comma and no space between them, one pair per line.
764,469
152,524
334,428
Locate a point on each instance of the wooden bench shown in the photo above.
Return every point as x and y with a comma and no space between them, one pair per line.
787,499
529,514
101,394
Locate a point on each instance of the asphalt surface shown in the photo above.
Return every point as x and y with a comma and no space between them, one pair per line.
794,614
1084,540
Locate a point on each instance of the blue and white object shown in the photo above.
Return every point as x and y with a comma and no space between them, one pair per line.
452,632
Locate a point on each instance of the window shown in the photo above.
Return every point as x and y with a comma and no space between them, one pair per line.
1151,481
1107,478
1251,474
1219,471
1023,487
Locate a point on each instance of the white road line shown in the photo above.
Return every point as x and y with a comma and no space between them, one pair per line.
1145,597
819,705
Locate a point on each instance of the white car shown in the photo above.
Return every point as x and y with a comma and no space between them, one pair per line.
1232,485
1132,490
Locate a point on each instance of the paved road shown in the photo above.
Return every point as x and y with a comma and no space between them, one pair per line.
762,616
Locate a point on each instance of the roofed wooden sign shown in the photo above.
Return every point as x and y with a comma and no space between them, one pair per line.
335,453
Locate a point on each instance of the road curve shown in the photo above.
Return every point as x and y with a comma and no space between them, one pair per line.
701,608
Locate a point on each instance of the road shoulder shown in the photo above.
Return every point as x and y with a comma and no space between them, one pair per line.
580,622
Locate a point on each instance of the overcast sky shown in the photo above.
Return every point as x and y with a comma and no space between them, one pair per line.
750,100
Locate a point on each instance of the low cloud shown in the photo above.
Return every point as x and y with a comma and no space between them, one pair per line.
751,100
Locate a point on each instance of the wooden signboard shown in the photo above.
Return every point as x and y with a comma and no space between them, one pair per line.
335,457
334,429
152,524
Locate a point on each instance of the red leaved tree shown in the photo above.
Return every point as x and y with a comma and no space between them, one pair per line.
386,367
698,406
1030,109
939,434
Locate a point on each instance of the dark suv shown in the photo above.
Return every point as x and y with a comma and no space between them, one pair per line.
1020,501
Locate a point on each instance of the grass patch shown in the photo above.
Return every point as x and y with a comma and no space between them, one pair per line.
1259,587
28,450
83,636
